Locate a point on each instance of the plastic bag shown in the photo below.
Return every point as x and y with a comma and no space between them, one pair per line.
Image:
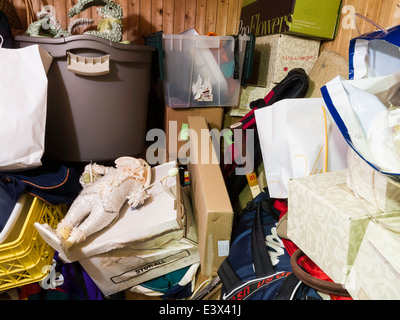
375,54
366,114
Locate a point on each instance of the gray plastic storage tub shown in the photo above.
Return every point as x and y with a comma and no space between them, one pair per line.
97,97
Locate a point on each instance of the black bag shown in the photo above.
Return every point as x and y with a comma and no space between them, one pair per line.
258,265
5,32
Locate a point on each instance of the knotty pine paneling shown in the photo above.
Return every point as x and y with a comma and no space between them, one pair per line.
145,16
220,16
386,13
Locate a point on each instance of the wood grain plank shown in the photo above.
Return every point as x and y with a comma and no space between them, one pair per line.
211,16
386,13
190,14
201,10
60,10
125,22
395,14
156,15
222,17
341,43
20,8
179,16
372,13
234,8
145,20
361,24
133,33
168,16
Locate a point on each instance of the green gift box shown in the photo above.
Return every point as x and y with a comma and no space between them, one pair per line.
317,19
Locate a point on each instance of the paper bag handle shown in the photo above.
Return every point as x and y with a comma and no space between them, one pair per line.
318,284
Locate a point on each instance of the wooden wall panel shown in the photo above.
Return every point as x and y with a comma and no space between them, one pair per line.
145,16
386,13
220,16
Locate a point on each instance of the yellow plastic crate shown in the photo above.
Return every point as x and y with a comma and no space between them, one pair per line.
24,254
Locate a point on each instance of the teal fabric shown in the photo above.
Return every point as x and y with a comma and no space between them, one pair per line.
167,281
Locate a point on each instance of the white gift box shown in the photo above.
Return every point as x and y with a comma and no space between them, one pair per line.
327,221
371,185
375,274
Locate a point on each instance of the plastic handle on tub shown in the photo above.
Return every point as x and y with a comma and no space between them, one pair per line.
87,66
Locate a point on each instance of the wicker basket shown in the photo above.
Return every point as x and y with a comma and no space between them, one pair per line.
8,8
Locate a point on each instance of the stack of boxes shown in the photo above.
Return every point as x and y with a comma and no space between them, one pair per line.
288,35
347,222
143,243
209,79
209,83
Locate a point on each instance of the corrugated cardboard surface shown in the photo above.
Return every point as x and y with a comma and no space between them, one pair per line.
328,66
212,208
213,115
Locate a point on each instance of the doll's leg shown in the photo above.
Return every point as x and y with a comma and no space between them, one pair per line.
79,209
96,221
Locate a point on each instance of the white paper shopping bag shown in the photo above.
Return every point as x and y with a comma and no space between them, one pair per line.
298,138
23,102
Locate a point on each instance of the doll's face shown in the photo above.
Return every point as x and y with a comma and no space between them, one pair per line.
127,163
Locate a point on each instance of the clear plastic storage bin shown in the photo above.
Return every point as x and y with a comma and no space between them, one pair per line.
199,70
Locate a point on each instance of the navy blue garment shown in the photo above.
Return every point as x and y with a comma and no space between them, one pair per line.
54,184
258,265
5,32
7,204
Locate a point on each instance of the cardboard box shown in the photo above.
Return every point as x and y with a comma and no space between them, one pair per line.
371,185
151,225
310,18
123,268
212,208
327,222
274,57
176,125
375,274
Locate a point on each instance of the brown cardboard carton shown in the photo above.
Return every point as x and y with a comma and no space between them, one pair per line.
211,205
176,122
